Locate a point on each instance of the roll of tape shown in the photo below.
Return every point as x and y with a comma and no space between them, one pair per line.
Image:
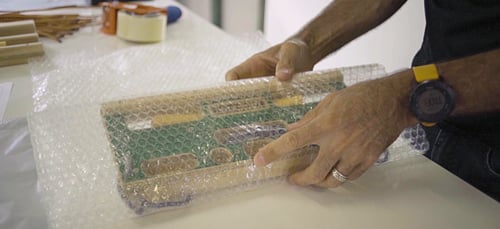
141,28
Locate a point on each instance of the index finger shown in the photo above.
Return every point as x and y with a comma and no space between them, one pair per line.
287,143
253,67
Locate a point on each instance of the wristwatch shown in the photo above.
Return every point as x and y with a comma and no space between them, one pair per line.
431,100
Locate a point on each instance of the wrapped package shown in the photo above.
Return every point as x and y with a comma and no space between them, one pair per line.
175,148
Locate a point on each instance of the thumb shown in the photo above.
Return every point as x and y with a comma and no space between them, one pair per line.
285,68
292,55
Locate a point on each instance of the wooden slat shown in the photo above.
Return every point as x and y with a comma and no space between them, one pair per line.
19,39
13,61
19,52
17,27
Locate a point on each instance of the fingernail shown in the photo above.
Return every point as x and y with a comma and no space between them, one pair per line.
285,71
284,74
259,160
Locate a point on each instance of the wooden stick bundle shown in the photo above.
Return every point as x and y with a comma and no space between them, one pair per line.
51,26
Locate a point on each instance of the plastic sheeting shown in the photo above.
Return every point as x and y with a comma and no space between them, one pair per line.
20,206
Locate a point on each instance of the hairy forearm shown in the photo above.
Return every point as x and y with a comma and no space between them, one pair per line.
343,21
474,79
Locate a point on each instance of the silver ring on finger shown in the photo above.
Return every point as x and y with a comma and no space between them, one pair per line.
339,176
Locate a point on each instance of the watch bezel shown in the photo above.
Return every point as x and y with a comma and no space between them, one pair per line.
436,86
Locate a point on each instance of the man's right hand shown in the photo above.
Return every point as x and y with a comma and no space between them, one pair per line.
282,60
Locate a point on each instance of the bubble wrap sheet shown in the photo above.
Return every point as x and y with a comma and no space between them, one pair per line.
121,135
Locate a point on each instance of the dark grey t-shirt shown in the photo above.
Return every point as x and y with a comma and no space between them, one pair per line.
459,28
455,29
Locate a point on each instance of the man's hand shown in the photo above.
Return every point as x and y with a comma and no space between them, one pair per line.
352,127
283,61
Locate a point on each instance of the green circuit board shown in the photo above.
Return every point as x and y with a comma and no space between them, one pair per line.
196,137
133,146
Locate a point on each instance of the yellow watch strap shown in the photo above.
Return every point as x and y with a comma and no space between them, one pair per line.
425,72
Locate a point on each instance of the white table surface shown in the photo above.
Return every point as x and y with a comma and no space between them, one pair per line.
411,193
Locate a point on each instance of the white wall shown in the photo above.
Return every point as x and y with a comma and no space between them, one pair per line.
241,16
393,44
238,17
202,8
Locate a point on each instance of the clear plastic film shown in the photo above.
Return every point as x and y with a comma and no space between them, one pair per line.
20,205
101,74
153,128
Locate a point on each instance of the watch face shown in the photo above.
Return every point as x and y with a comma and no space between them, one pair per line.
432,101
